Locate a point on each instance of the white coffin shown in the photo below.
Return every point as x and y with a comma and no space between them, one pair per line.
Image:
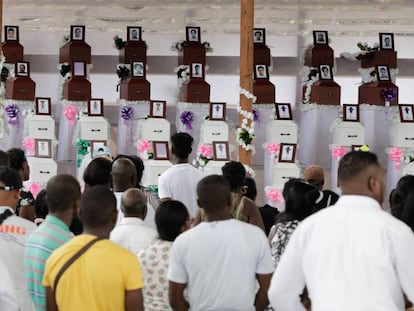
153,170
93,128
348,134
402,135
154,129
282,131
213,131
213,168
41,170
42,127
282,172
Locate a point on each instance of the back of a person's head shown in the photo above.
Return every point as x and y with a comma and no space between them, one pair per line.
355,163
40,205
124,174
399,195
170,217
407,214
98,207
62,192
213,193
134,203
235,173
301,200
289,183
139,166
251,189
16,158
98,172
181,144
4,158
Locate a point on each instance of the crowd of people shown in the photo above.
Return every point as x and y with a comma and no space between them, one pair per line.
212,247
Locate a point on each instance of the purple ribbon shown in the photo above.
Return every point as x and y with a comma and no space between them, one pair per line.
187,118
12,112
389,94
127,113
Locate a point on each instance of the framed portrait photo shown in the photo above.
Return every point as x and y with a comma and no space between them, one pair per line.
79,69
350,113
406,112
138,69
325,73
192,34
43,148
197,71
77,33
11,33
22,69
383,73
386,41
259,35
134,33
221,151
158,109
283,111
261,72
320,37
43,106
217,111
95,107
96,145
287,153
161,150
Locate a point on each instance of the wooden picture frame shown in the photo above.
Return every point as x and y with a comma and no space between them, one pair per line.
134,33
43,106
138,69
43,148
158,109
320,37
95,144
22,69
161,150
325,73
79,69
221,151
383,73
283,111
95,107
197,71
192,34
11,33
217,111
259,36
287,153
261,71
77,33
350,113
386,40
406,112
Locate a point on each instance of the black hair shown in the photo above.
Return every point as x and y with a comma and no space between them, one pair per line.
399,195
289,183
40,205
354,163
62,191
17,158
169,218
181,144
4,158
235,173
98,204
251,190
98,172
213,192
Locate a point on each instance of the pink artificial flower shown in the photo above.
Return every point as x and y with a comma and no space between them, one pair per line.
34,188
143,145
29,146
274,195
395,155
272,148
70,113
338,152
206,151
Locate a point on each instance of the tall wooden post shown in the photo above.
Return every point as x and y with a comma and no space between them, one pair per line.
246,65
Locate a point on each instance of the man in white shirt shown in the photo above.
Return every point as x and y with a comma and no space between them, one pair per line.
8,297
132,233
14,231
224,263
351,256
179,182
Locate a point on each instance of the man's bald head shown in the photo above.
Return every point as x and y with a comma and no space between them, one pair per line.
124,174
214,194
134,203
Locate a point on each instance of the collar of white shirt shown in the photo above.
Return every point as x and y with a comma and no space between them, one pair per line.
132,221
3,208
359,200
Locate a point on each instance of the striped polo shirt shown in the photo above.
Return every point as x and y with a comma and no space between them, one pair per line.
50,235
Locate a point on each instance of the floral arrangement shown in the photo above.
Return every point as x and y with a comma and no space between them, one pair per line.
389,94
183,72
29,146
187,117
396,155
12,113
275,197
365,48
312,75
338,152
178,46
127,113
123,72
204,155
34,188
70,113
119,43
65,40
65,70
144,148
82,146
272,149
